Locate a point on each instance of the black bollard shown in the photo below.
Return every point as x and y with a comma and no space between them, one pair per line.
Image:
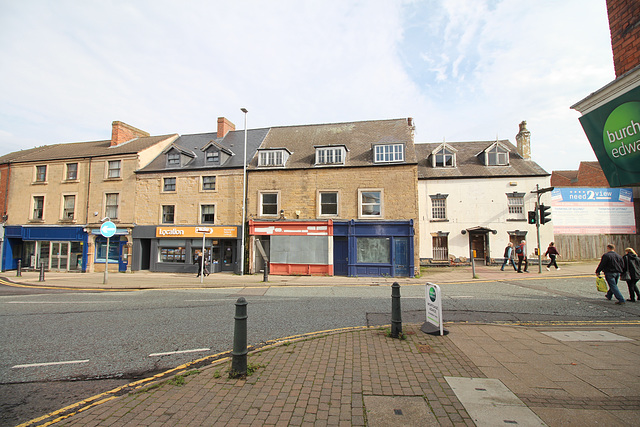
19,271
396,312
239,353
41,278
265,276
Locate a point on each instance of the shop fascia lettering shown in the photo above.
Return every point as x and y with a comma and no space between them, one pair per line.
171,232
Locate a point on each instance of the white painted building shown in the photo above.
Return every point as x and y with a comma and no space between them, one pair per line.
475,196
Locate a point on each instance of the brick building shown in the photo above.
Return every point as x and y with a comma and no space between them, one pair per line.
58,196
624,25
589,174
195,183
335,199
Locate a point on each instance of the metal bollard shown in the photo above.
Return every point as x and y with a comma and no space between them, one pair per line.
396,312
239,353
19,271
265,276
41,278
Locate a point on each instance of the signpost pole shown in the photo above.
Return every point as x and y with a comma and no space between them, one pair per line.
203,260
105,280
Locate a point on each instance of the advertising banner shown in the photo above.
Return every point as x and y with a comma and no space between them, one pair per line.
613,130
211,231
593,211
434,307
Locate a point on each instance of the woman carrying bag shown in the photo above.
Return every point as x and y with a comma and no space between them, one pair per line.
631,273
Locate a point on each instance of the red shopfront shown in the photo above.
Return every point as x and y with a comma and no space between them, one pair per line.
292,247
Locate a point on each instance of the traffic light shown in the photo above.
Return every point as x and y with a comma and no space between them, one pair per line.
545,215
533,217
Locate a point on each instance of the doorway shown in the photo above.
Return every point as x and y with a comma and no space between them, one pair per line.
59,256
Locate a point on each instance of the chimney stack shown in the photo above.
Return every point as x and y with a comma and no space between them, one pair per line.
523,139
122,132
224,127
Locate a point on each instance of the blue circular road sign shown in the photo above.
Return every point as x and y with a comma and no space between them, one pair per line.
108,229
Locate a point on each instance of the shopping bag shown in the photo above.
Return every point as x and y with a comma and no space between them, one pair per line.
601,284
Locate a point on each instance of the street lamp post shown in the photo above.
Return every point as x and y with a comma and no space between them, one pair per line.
244,190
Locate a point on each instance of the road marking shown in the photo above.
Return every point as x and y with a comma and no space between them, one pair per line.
196,350
60,302
35,365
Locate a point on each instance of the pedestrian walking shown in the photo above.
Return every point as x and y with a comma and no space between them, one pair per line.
508,257
521,251
611,264
631,273
552,252
199,263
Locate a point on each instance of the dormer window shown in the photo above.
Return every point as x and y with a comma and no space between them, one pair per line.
173,158
386,153
330,155
443,157
275,157
212,157
497,156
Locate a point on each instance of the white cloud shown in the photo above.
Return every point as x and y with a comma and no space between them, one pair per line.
465,70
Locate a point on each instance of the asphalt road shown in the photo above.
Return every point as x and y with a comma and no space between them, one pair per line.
61,346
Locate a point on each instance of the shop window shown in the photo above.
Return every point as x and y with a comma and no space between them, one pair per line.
111,205
207,214
41,173
38,208
328,203
208,183
388,153
101,250
113,169
69,208
169,184
374,250
72,171
269,204
370,202
172,255
168,212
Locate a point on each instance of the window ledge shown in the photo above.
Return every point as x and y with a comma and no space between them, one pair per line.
36,221
67,221
439,220
517,219
113,179
39,183
70,181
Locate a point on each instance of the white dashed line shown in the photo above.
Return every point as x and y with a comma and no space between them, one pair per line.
35,365
196,350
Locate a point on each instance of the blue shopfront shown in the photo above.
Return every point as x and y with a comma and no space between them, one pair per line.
373,248
59,248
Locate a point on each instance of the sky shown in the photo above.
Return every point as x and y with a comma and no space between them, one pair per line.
465,70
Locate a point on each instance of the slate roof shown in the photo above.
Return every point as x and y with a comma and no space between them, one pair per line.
233,142
77,150
469,165
358,137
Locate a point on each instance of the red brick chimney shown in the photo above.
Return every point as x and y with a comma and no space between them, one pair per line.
122,132
224,127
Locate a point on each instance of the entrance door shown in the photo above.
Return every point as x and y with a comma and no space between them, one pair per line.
227,255
478,245
59,256
123,258
401,256
340,256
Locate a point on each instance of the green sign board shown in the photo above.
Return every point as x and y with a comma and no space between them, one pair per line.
613,130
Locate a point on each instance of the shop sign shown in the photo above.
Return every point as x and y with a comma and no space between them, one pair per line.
186,232
434,307
613,130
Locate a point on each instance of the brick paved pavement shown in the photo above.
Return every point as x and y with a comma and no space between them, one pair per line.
324,379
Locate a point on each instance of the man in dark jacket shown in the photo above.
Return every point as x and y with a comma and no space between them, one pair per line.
611,265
